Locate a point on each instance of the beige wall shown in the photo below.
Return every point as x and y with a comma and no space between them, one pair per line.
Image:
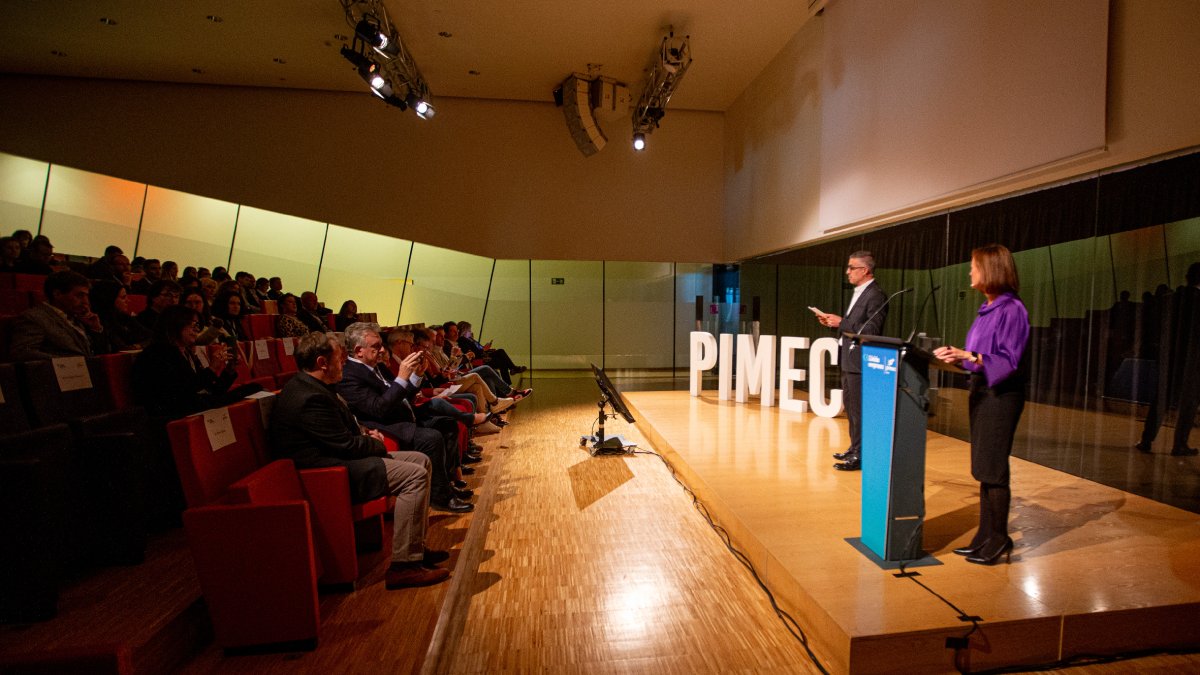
775,170
499,179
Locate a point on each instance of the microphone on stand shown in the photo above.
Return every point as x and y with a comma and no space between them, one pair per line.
920,312
876,312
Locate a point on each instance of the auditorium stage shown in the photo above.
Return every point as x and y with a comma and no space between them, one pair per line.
1095,570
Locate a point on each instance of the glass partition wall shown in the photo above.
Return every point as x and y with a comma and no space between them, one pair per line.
1103,264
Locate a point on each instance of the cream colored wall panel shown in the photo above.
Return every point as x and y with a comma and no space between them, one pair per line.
366,268
86,212
22,186
507,319
445,286
188,229
270,244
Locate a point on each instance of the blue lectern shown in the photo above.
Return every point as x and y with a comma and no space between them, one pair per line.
895,405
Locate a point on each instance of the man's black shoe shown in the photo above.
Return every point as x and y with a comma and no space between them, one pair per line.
474,447
468,458
466,470
852,464
1185,452
462,493
841,456
454,505
460,484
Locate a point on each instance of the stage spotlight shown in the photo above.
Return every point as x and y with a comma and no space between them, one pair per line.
424,110
368,29
354,57
639,141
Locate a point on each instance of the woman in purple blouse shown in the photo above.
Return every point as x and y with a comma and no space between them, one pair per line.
994,354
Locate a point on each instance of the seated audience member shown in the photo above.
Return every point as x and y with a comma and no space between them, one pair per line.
163,294
311,304
245,282
171,382
170,270
288,324
10,254
209,288
203,273
151,272
308,300
105,267
488,374
314,428
63,325
383,402
23,236
262,290
436,373
122,271
496,358
109,300
135,265
210,328
276,288
220,274
228,308
347,315
37,259
189,276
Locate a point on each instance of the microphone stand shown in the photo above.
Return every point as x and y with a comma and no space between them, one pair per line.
920,313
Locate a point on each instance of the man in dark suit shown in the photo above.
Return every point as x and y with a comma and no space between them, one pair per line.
64,325
383,402
312,426
865,315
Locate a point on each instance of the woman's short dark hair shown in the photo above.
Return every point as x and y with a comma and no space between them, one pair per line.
346,305
171,322
312,346
102,296
997,269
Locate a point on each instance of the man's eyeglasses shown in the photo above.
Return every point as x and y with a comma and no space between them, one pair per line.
851,268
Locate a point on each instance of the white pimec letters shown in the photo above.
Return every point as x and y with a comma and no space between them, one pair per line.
704,357
787,374
757,369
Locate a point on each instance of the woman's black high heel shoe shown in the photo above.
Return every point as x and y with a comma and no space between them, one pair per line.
969,549
986,557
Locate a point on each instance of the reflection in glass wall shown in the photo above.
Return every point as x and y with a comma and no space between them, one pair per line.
692,280
638,306
271,244
445,286
22,187
188,229
507,322
85,212
567,314
364,267
1115,343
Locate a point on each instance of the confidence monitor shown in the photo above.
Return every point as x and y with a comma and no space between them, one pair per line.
610,396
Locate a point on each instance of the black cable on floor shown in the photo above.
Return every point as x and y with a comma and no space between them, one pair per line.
788,621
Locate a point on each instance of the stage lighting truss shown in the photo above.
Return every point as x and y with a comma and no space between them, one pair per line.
670,65
381,59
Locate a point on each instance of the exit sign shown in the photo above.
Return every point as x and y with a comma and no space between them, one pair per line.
557,281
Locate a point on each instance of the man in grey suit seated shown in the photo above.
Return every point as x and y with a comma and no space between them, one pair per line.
63,325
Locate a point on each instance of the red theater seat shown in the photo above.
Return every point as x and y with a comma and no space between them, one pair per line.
206,473
256,560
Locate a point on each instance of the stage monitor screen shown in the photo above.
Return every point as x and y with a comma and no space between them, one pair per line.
612,394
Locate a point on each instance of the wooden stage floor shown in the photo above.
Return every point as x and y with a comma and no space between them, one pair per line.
1095,570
